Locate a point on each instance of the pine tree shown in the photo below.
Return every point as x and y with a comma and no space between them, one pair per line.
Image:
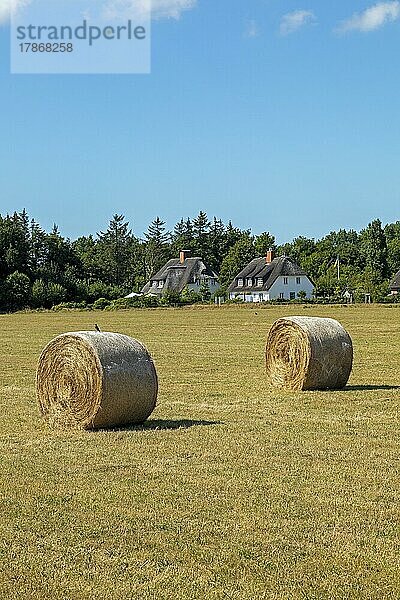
216,244
14,244
374,249
156,246
114,249
392,234
237,258
157,233
201,227
264,242
182,238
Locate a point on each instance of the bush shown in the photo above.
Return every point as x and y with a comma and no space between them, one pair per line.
190,296
101,304
39,293
149,301
98,289
121,303
237,300
46,295
70,306
170,298
135,302
204,292
17,290
56,293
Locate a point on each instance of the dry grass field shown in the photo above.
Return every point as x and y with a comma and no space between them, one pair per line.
230,491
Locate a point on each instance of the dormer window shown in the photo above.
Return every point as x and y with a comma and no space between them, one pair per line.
240,282
160,284
249,282
259,281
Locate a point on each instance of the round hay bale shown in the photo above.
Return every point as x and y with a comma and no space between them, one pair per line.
91,380
308,353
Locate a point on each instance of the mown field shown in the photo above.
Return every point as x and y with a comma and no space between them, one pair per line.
230,491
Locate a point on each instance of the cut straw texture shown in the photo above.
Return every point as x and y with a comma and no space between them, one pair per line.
308,353
92,380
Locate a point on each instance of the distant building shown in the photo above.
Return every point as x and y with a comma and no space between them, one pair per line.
395,285
180,273
268,278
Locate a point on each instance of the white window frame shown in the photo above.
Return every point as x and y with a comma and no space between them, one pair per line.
160,284
240,282
249,282
259,281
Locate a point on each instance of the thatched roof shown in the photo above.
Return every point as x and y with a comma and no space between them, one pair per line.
258,268
395,285
176,275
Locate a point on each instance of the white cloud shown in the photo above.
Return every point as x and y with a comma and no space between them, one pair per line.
372,18
293,21
4,10
160,9
7,5
251,30
120,9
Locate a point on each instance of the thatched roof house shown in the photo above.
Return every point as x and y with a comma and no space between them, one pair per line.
269,278
180,273
395,285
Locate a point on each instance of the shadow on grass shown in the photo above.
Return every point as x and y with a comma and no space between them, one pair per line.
361,388
160,424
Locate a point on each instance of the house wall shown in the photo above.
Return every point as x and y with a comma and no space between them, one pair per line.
278,288
195,287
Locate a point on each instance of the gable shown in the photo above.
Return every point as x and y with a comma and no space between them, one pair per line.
176,275
269,272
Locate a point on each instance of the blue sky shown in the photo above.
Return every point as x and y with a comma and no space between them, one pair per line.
281,115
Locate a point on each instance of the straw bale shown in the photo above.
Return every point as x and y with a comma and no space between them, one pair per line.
308,353
91,379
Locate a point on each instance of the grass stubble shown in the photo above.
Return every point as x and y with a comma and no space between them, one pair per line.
231,490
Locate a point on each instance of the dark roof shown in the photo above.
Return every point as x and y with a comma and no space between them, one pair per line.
395,285
269,272
177,275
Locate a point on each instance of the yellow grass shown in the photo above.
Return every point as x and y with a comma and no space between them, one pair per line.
231,491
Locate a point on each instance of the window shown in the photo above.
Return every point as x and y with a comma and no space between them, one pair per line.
240,282
249,282
298,280
292,295
259,281
285,280
281,296
160,284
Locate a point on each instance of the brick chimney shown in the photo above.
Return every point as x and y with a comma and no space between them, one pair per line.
270,256
183,255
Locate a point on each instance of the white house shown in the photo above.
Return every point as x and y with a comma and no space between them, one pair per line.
180,273
268,278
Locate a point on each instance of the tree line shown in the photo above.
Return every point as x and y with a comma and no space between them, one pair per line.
40,269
